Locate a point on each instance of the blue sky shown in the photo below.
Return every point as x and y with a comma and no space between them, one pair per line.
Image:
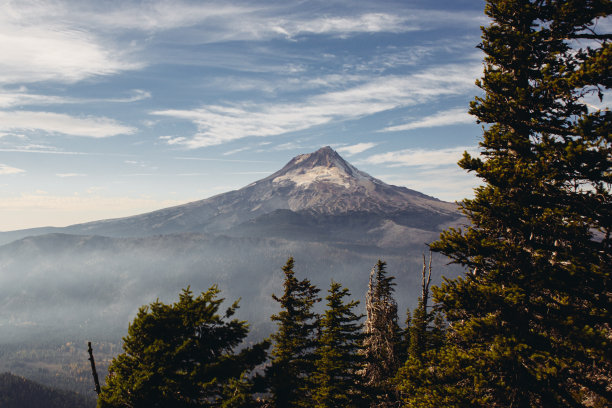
114,108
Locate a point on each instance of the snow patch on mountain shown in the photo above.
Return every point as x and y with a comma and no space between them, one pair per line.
323,174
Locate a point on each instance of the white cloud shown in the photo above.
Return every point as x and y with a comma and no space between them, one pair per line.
96,127
219,124
66,175
220,21
21,97
165,15
364,23
5,170
40,42
226,22
355,149
455,116
420,157
27,149
238,150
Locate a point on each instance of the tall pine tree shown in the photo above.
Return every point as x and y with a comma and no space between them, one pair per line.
336,380
530,322
290,372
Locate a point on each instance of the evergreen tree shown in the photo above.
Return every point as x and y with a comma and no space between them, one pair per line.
336,380
530,322
180,355
425,336
293,357
382,336
421,318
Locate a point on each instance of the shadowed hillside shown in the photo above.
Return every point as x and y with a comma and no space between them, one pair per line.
18,392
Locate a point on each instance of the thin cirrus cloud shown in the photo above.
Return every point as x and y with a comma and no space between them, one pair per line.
403,21
219,124
457,116
154,16
229,22
421,157
21,97
94,127
69,175
356,148
216,21
364,23
6,170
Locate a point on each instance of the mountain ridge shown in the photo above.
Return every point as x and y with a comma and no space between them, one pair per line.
320,183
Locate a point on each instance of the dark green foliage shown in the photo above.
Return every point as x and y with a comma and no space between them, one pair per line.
425,335
181,355
18,392
382,336
337,380
530,321
421,336
293,358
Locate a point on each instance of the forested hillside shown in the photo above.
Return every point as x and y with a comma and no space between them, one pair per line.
18,392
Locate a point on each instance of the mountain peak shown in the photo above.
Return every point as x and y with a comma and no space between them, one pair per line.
322,166
325,156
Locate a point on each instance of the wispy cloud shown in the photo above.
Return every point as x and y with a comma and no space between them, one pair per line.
21,97
162,15
67,175
96,127
455,116
234,151
223,21
338,25
218,124
40,42
355,149
25,149
222,160
420,157
6,169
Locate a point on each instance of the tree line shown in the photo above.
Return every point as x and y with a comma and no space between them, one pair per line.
187,354
529,323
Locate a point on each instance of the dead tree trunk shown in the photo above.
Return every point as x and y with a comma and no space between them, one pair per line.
93,367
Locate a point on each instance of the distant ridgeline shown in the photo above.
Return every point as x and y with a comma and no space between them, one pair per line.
18,392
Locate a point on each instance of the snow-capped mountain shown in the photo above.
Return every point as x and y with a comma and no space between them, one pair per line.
318,184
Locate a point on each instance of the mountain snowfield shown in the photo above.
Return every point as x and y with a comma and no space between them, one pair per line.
87,281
